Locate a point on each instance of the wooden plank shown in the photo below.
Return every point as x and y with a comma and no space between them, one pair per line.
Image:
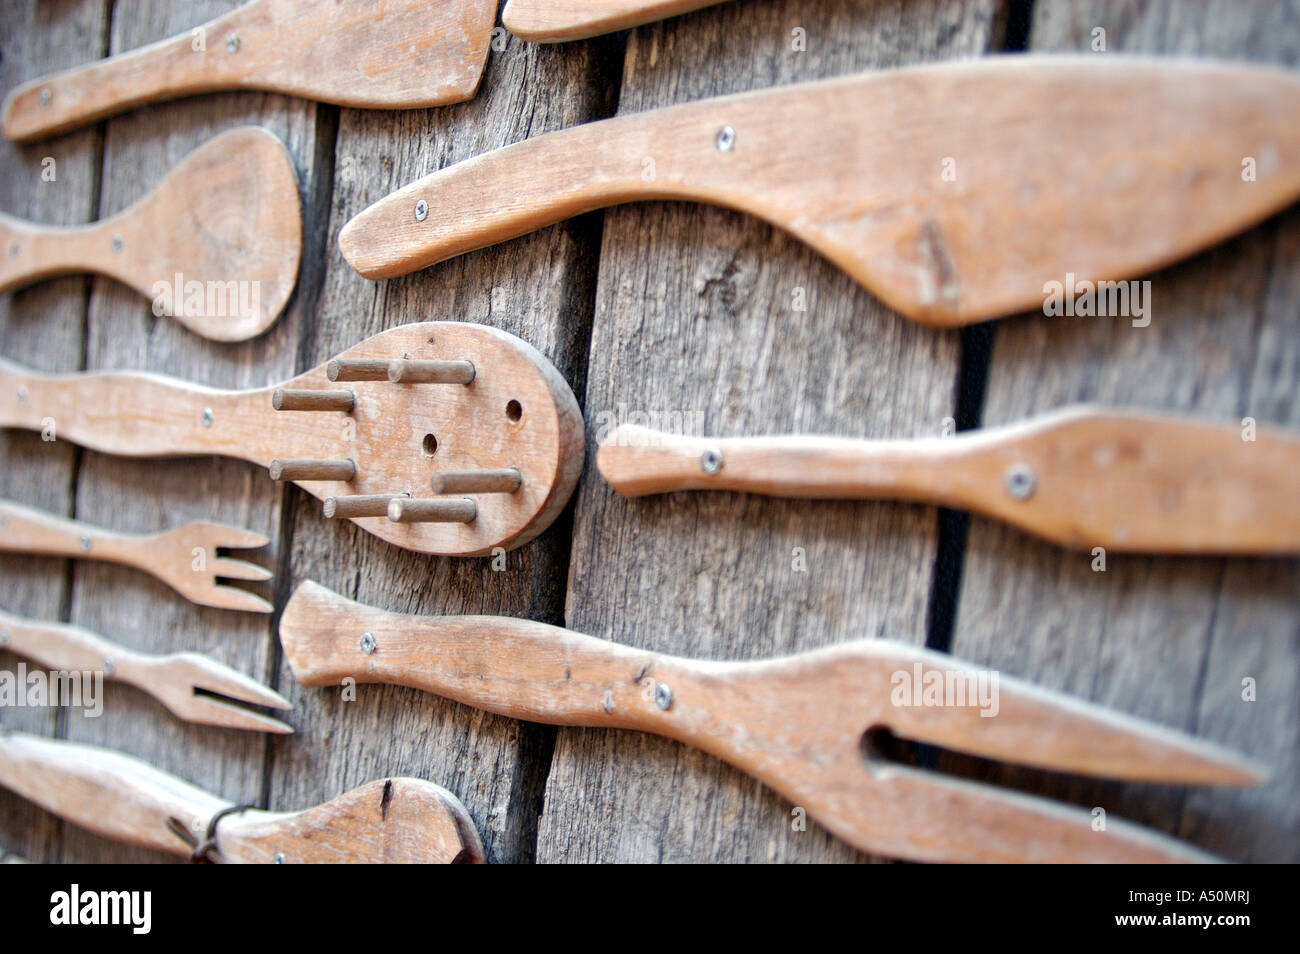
698,323
43,327
1167,639
540,288
140,147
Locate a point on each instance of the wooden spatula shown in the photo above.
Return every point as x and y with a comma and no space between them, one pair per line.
954,192
216,244
1082,477
393,55
551,21
395,820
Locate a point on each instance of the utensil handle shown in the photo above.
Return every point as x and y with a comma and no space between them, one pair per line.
105,792
60,646
30,252
553,21
133,415
27,530
514,667
163,70
1082,478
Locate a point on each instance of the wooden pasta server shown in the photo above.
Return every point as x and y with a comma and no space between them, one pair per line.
395,820
215,245
954,192
443,437
396,55
803,725
1083,477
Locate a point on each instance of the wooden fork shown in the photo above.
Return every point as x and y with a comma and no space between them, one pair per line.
441,437
398,55
802,725
216,244
955,192
186,558
395,820
188,684
1083,477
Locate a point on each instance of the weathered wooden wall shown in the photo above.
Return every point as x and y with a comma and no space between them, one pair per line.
663,308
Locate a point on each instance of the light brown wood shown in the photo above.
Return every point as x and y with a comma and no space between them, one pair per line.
175,680
1082,477
185,558
856,167
397,436
430,372
553,21
407,510
216,244
406,53
286,399
504,481
798,724
396,820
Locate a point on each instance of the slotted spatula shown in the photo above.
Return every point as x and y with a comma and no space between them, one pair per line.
954,192
398,54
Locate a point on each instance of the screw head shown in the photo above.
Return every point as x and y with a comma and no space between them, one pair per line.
663,696
5,636
207,417
117,243
232,43
279,857
109,665
15,250
85,541
367,643
711,460
45,96
1021,481
421,210
726,139
22,395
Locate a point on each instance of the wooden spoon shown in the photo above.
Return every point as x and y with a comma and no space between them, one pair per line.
954,192
395,55
216,244
552,21
395,820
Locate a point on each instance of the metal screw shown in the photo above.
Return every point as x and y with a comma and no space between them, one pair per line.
279,857
5,636
663,696
1021,481
45,97
711,460
117,243
15,251
232,43
367,643
726,139
108,666
85,541
22,395
207,417
421,210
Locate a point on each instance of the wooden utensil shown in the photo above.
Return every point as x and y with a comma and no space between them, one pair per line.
395,820
187,558
396,55
804,725
1083,477
1065,168
193,687
441,437
216,244
551,21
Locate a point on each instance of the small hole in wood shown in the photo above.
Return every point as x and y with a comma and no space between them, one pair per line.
514,410
430,445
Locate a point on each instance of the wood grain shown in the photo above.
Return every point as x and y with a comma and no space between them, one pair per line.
44,327
698,323
552,21
1080,477
228,218
1172,639
864,169
411,54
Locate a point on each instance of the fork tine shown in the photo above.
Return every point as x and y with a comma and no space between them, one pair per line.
209,711
211,676
236,538
232,598
233,569
1037,727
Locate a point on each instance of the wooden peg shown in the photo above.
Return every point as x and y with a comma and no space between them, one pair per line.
405,371
357,369
404,510
288,399
310,469
359,505
504,481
